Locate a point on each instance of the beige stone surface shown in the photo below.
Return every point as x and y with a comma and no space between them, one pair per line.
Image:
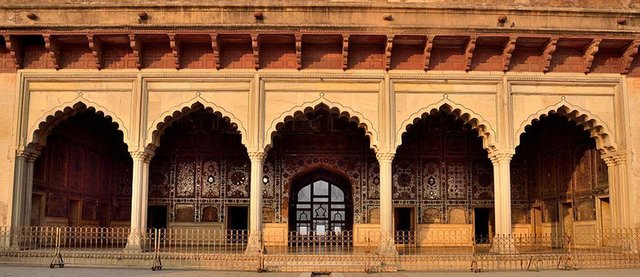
633,86
7,154
386,103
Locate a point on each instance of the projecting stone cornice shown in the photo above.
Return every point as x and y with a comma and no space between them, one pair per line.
611,16
295,50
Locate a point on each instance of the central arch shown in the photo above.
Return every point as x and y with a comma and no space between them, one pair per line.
321,202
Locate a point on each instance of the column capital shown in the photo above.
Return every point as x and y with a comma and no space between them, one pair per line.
500,157
257,155
142,155
615,158
385,157
28,154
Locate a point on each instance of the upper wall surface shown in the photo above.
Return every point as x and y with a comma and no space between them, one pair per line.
560,16
596,4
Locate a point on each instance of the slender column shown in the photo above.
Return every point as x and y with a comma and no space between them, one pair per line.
31,160
387,245
139,199
502,201
255,210
617,168
19,184
18,206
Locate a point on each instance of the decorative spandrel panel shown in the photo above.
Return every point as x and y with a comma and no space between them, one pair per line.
86,161
200,168
442,169
561,165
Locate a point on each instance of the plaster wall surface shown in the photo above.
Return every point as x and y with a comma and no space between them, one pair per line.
7,155
633,87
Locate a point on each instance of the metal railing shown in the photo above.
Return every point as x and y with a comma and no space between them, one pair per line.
332,251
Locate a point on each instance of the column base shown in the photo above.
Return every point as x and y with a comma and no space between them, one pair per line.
134,243
387,247
254,245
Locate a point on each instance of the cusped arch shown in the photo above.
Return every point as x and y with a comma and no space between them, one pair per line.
333,108
160,125
476,121
598,130
57,115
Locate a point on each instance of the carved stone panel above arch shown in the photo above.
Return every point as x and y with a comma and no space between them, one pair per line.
46,99
592,103
356,98
474,101
166,96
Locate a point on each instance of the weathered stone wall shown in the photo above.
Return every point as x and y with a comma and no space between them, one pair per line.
7,127
633,87
598,4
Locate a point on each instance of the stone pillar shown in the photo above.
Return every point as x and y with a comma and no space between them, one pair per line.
19,184
619,190
255,209
502,202
139,199
28,195
387,244
22,190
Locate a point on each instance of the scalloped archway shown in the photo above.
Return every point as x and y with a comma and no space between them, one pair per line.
477,122
591,123
167,119
54,117
341,112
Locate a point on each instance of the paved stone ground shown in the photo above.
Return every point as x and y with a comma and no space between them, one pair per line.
13,270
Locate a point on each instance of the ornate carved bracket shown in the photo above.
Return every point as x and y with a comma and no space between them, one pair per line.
53,47
15,50
628,56
255,46
507,52
345,52
590,53
215,45
95,44
136,47
547,53
175,44
428,45
387,52
468,52
298,37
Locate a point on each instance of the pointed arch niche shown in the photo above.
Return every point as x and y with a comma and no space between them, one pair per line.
82,176
442,172
199,155
560,182
320,137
